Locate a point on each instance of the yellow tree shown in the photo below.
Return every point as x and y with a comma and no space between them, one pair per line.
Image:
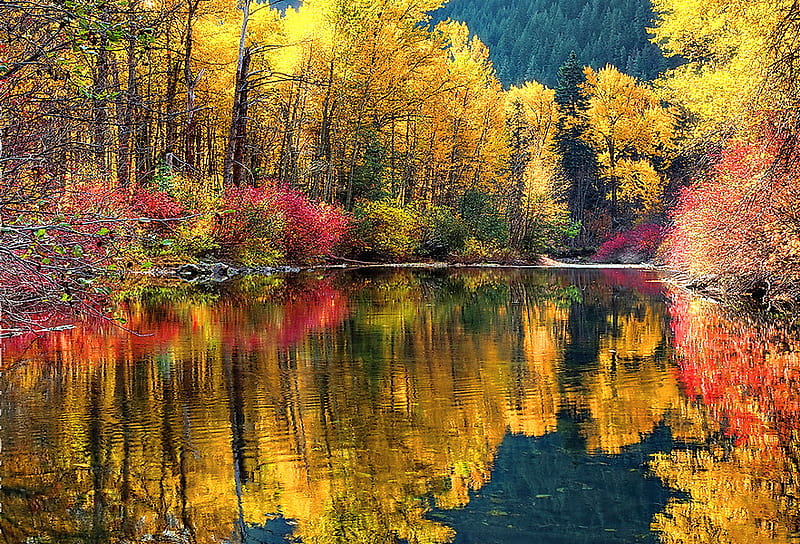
357,71
732,49
531,116
632,134
467,143
354,100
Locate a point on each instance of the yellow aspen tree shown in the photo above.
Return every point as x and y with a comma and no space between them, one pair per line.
536,186
630,131
731,48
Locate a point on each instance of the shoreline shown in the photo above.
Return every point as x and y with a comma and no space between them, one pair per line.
221,271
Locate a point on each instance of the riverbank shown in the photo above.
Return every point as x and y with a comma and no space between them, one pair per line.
748,297
221,271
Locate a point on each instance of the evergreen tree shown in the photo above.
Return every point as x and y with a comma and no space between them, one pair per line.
519,144
578,161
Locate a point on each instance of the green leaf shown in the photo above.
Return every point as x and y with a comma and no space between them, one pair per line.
103,232
40,233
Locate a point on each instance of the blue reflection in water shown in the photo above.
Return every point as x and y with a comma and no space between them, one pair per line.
275,530
544,492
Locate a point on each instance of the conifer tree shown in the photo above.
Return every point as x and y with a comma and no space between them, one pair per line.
545,31
578,161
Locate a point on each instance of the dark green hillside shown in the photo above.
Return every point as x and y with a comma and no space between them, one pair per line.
530,39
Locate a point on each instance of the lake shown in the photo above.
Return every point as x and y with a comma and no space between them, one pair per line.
406,406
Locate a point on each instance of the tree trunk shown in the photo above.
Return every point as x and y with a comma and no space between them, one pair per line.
122,122
190,80
237,136
612,160
100,89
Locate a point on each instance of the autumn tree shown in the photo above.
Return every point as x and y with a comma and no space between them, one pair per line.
741,64
726,47
537,211
632,133
737,220
372,103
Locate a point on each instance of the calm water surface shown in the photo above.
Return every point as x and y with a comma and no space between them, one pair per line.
474,406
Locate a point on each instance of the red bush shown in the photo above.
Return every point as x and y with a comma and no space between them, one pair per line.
247,214
739,222
285,218
311,229
54,252
636,245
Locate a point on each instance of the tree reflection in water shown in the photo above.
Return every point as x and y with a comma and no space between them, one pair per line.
741,377
366,406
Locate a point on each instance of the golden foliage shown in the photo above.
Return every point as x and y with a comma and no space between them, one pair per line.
632,133
729,48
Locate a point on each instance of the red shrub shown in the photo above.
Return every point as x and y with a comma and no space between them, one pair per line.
636,245
95,199
740,222
283,218
311,229
54,251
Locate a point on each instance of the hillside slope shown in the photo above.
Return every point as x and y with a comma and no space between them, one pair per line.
530,39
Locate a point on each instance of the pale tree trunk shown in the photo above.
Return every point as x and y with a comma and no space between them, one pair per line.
612,160
520,157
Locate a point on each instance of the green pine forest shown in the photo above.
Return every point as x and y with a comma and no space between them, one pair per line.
530,39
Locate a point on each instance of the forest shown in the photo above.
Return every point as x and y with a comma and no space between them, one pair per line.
530,39
137,136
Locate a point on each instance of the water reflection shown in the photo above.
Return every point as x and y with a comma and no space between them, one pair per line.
376,407
740,470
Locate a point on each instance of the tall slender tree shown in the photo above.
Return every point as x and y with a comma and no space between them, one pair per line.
578,161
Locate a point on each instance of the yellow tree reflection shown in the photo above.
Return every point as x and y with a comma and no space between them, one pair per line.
351,408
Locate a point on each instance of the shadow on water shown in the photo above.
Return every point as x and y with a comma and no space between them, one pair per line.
542,492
